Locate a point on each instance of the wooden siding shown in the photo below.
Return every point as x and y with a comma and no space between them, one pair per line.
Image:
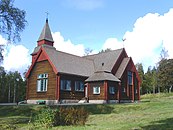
73,95
100,96
40,68
130,90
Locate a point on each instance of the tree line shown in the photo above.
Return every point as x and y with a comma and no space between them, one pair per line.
12,86
157,79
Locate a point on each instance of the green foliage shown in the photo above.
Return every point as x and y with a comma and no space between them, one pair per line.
72,116
49,117
149,79
165,74
12,20
46,118
12,86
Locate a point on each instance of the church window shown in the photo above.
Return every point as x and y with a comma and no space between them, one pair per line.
42,81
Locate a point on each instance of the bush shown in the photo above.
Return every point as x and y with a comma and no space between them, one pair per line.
46,118
49,117
73,116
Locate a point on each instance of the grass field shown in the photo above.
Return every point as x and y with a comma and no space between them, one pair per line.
154,112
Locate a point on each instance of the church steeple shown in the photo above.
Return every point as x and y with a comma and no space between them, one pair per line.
45,36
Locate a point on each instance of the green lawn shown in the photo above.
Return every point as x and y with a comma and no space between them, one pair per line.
154,112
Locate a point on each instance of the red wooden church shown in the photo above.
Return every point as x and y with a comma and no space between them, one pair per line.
58,77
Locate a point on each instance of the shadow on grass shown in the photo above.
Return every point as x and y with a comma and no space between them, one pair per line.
160,125
94,108
7,111
99,109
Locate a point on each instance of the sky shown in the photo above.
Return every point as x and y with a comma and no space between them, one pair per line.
145,25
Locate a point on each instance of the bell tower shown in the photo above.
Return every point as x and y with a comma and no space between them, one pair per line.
45,36
44,39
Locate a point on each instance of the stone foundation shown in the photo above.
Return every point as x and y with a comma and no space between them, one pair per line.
48,102
97,101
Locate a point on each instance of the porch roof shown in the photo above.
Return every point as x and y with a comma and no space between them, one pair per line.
102,76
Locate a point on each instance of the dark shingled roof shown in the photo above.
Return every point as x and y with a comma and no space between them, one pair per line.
46,33
108,58
36,49
69,64
122,67
97,67
102,76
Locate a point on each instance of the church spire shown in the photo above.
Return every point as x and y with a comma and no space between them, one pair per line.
45,36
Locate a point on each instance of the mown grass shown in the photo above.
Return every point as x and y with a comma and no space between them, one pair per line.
153,112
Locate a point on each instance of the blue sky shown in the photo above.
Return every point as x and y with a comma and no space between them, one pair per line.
97,24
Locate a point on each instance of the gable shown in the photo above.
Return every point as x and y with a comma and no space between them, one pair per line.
107,58
127,64
40,56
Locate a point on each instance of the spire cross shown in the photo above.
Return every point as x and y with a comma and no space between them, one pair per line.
47,14
123,41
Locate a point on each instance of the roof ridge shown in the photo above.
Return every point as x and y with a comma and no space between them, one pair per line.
67,53
104,52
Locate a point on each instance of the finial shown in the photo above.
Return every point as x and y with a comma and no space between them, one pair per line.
123,41
47,14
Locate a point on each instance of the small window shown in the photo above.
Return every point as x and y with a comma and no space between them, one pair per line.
129,78
96,90
79,86
123,89
112,90
66,85
42,81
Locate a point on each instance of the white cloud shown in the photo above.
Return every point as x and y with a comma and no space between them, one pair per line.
2,41
67,46
84,4
149,34
16,58
112,43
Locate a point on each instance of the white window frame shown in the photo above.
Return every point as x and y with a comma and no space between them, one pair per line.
96,90
79,86
111,89
42,82
65,85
